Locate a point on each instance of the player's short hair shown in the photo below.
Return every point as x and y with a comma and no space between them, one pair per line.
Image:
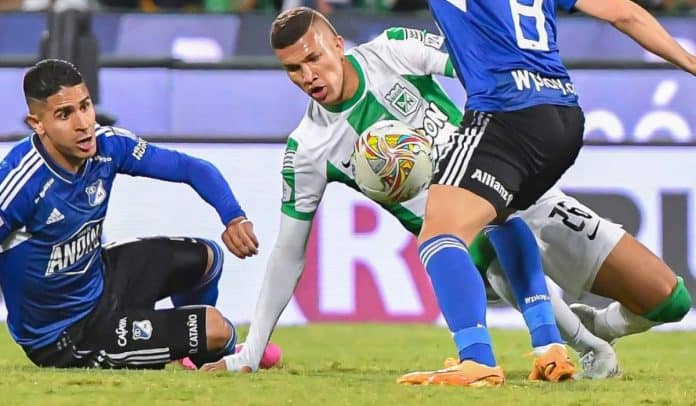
293,23
47,77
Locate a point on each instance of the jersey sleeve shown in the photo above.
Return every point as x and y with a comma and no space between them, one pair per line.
5,227
285,266
16,204
303,182
137,157
417,52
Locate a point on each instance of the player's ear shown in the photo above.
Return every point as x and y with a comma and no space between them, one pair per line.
32,120
340,44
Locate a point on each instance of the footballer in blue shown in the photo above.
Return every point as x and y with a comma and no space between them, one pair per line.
71,301
522,129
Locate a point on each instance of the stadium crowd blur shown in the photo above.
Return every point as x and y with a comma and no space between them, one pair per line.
661,7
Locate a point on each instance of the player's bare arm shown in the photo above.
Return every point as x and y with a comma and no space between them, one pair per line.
634,21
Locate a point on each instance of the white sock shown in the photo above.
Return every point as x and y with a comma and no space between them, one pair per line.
572,330
615,321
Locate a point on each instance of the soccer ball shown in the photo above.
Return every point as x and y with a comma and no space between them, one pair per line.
391,162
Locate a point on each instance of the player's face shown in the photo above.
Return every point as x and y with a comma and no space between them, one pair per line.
315,63
65,124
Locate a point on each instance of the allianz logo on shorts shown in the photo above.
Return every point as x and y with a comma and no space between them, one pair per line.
490,181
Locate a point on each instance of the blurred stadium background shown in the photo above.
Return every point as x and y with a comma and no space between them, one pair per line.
199,75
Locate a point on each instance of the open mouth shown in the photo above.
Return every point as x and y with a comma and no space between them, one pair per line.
318,92
86,143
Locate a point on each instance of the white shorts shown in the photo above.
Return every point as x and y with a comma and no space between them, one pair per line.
573,240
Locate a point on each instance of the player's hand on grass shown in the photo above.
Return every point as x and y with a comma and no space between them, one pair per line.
240,239
214,366
232,365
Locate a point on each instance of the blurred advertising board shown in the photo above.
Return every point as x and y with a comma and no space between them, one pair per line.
636,106
121,34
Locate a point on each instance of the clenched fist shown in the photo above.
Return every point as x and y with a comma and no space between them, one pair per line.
240,239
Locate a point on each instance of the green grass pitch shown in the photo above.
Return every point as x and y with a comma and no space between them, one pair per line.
357,364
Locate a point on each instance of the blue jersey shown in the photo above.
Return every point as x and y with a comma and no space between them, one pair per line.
505,53
51,225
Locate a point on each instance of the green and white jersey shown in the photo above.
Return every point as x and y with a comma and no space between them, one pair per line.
396,83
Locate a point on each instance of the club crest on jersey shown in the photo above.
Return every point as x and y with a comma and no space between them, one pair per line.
402,99
142,330
96,193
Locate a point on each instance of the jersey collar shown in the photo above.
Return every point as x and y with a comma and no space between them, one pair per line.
358,93
57,170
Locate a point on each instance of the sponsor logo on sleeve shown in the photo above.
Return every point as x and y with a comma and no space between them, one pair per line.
415,34
140,149
44,189
433,41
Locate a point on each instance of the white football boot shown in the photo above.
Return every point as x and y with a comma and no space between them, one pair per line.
599,363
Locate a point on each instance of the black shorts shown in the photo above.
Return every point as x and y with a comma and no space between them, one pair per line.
511,158
124,330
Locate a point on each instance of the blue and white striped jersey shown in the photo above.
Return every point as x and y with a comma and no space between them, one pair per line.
51,225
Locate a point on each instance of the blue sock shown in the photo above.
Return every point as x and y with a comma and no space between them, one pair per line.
461,295
206,292
519,257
